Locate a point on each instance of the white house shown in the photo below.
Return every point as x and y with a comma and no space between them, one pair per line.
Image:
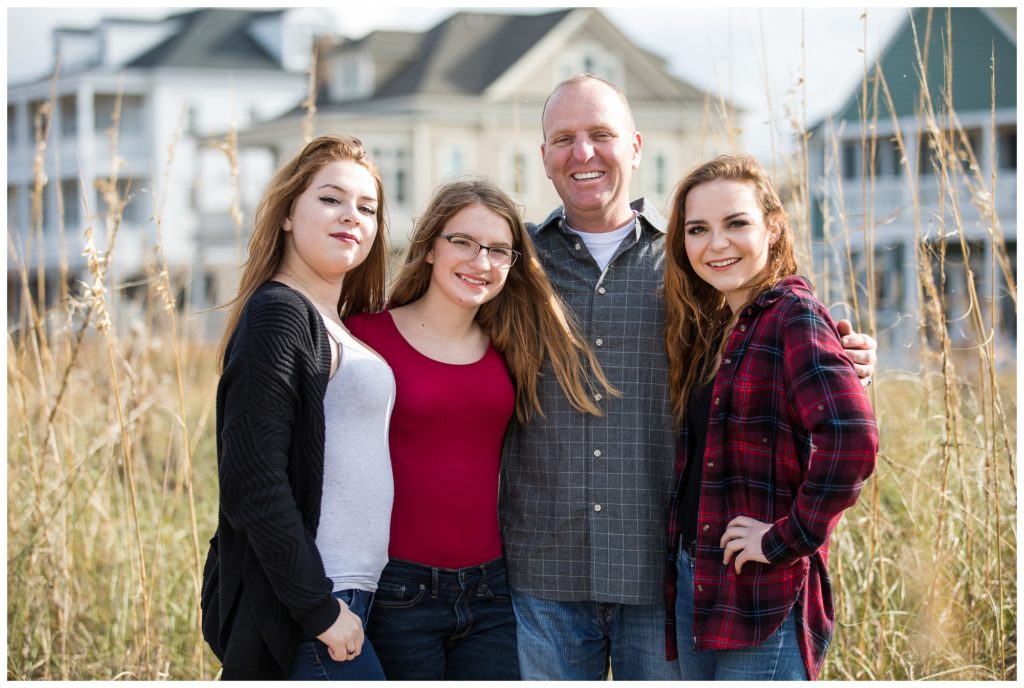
465,97
873,193
204,70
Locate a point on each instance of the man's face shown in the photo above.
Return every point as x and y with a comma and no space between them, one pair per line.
590,151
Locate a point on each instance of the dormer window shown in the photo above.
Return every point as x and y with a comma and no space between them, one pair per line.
590,58
351,77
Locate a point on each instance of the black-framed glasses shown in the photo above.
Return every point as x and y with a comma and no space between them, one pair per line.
468,249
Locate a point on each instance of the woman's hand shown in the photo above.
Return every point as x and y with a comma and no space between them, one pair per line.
742,538
344,639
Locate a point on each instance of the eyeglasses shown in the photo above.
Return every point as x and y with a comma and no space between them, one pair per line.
468,249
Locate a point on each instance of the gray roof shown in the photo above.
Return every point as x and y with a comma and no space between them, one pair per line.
464,54
213,38
976,33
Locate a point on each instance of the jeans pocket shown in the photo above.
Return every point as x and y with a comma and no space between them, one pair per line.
496,588
398,595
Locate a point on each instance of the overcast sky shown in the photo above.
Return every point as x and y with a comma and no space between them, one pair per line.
720,50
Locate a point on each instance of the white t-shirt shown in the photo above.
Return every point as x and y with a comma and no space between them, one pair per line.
602,245
355,509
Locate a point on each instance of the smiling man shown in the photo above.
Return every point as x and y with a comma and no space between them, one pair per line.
583,504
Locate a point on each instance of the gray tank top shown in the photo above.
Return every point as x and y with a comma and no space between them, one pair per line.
355,509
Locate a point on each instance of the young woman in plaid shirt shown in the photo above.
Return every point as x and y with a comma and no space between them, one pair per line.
777,435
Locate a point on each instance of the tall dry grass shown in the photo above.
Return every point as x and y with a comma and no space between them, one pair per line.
111,454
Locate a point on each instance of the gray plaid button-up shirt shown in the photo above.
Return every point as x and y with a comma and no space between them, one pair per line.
584,499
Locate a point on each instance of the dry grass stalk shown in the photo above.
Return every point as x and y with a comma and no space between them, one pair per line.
309,120
230,149
162,285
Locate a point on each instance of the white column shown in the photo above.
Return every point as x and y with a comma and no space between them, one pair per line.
86,161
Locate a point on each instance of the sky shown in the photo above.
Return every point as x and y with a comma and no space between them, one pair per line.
729,50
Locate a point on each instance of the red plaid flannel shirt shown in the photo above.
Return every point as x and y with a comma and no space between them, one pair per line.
791,439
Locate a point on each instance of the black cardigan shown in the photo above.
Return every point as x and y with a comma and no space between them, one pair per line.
264,583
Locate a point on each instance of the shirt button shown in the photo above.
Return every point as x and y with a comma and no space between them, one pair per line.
727,361
716,400
711,464
743,328
597,507
764,440
577,246
820,407
597,452
599,342
700,588
600,290
706,528
598,397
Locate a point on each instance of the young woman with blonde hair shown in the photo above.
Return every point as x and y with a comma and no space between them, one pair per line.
304,507
777,435
471,318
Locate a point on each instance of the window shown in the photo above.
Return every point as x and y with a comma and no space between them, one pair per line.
137,209
851,168
928,162
12,125
515,170
130,123
660,174
39,111
955,293
69,117
351,77
1006,309
889,276
590,58
70,197
519,174
451,161
192,119
897,158
1006,148
394,166
12,209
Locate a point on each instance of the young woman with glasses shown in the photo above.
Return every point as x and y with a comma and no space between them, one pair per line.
471,318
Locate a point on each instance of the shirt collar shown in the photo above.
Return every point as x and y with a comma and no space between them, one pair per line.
647,217
787,285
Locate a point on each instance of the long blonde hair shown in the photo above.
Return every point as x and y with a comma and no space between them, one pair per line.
364,285
698,318
526,321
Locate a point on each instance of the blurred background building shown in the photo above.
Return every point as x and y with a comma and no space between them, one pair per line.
865,185
179,79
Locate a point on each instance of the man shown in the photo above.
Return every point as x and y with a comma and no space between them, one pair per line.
584,499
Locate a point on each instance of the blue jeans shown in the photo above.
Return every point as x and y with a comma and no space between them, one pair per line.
576,641
313,663
433,624
775,659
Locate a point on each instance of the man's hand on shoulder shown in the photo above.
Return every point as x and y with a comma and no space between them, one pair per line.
861,348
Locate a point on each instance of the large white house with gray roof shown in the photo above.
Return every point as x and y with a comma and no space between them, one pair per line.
202,70
866,191
465,97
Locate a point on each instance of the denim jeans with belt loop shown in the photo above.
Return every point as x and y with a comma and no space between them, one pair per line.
313,661
776,659
432,624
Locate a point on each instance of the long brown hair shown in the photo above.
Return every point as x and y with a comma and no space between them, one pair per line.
698,318
526,321
363,288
